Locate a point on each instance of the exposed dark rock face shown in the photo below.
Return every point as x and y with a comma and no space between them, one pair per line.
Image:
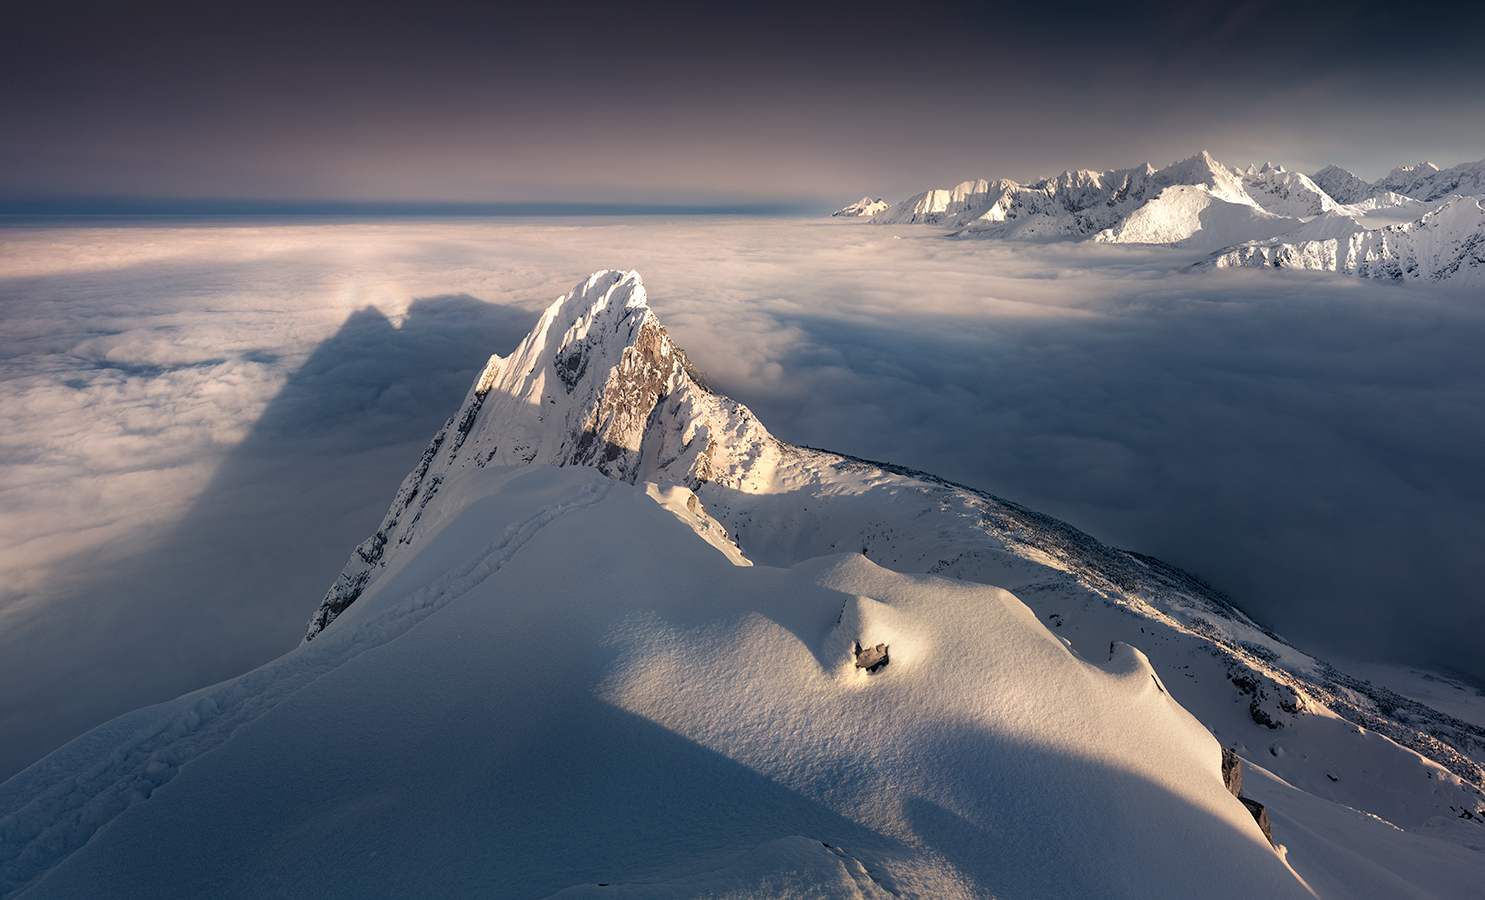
368,555
1232,776
1232,771
1270,697
611,437
1260,815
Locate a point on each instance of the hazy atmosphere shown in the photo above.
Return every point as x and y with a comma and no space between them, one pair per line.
107,104
201,415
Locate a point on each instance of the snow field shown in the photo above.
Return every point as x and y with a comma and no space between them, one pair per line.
617,702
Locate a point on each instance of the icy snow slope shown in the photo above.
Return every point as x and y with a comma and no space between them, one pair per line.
536,679
1447,244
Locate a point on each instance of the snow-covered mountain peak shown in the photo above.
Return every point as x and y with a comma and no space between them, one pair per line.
1341,184
1403,178
1285,193
598,382
1195,201
1204,171
863,207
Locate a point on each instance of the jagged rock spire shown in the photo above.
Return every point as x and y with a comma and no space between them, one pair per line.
598,382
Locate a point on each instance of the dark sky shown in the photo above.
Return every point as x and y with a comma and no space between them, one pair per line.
722,102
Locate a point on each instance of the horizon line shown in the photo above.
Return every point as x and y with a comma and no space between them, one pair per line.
18,207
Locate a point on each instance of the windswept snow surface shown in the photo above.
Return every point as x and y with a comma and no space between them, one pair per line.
592,694
550,673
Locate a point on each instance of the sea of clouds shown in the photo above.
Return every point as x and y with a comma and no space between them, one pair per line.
199,421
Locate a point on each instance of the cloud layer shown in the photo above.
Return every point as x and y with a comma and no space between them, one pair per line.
199,423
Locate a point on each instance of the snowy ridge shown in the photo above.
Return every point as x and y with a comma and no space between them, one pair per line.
784,504
1445,245
786,764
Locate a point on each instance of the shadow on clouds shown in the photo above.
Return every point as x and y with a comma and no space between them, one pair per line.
234,582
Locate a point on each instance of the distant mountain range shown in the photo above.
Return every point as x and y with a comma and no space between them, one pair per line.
1417,224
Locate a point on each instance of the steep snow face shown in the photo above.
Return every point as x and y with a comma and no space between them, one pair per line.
1341,185
1446,245
863,207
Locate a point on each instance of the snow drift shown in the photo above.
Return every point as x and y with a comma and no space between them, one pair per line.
553,672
